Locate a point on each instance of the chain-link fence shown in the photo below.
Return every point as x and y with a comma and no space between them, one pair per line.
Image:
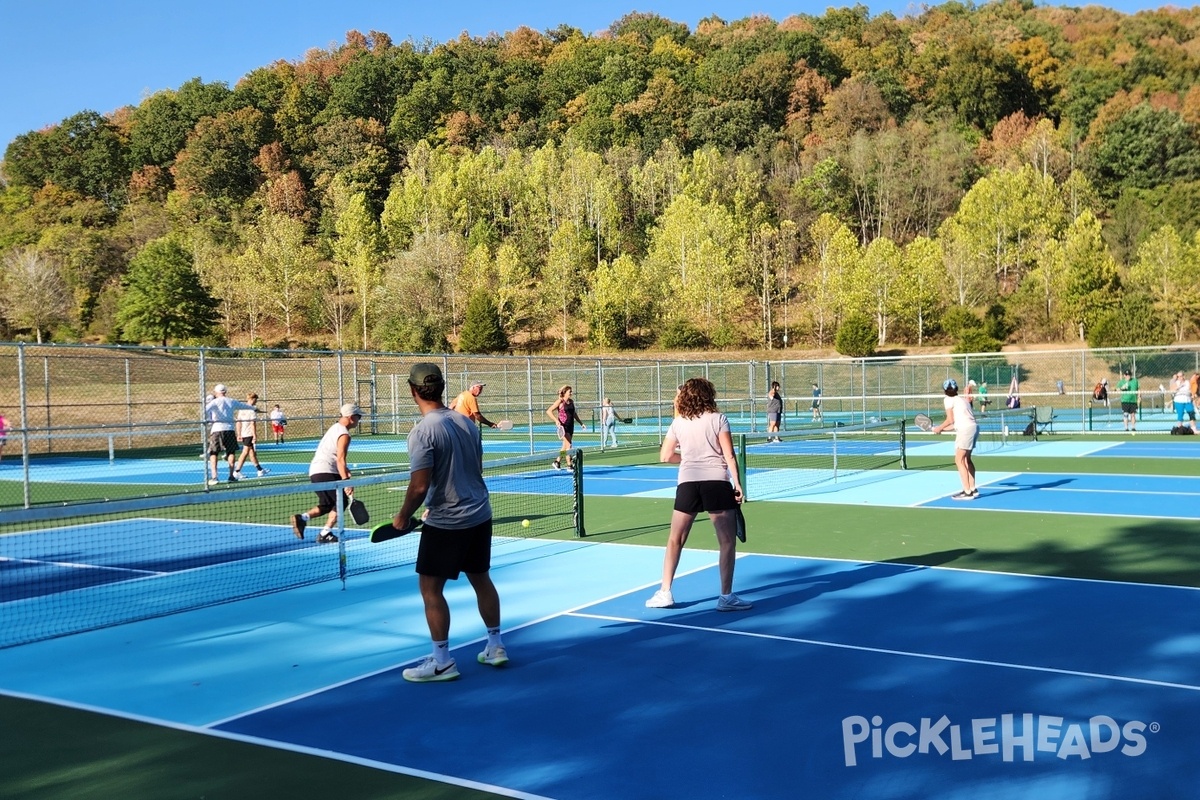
72,399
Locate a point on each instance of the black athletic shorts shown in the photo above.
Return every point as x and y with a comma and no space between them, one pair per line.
1128,408
327,498
446,552
696,496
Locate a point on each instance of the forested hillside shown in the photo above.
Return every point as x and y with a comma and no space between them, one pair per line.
971,175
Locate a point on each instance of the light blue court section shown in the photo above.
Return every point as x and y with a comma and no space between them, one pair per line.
399,446
206,665
923,444
149,471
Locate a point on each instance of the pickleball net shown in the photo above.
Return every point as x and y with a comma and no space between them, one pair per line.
65,570
780,464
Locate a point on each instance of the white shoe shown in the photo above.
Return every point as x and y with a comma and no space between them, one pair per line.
430,670
213,481
661,599
493,655
236,476
263,472
731,602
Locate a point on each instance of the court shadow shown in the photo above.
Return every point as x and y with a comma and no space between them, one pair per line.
933,559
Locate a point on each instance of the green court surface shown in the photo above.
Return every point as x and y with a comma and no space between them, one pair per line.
61,752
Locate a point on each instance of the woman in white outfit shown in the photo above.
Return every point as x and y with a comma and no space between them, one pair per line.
961,417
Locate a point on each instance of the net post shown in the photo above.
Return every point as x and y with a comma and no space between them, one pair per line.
340,505
577,476
741,462
903,444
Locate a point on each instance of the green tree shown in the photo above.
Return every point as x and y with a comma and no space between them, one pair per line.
918,292
1133,323
481,331
1092,285
1168,269
218,160
357,250
1142,149
83,153
285,267
856,336
163,298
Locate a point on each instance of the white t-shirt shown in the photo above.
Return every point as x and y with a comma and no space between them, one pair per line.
220,410
324,461
701,457
1183,393
245,424
964,414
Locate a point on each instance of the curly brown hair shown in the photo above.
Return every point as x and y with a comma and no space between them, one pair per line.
696,396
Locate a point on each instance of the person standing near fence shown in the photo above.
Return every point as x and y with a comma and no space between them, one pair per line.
817,416
247,433
1128,387
222,438
3,434
564,415
467,404
445,455
608,423
278,423
774,411
708,481
329,465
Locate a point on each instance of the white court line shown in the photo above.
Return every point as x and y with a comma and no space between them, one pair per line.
77,565
890,652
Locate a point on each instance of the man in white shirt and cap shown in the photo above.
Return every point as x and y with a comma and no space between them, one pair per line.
219,413
329,465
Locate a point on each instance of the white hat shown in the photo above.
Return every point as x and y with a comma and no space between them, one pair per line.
971,382
219,389
350,410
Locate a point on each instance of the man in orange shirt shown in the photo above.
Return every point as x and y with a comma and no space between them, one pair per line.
468,406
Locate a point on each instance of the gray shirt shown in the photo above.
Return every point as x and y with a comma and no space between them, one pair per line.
700,454
450,446
775,404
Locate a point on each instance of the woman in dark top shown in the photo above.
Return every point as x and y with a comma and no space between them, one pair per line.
774,411
564,416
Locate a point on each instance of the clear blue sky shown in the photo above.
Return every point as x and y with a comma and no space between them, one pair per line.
60,57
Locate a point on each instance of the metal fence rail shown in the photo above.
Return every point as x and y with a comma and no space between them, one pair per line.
67,389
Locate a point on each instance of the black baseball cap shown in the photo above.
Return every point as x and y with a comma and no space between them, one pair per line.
425,373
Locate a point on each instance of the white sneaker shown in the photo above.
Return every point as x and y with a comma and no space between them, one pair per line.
731,602
661,599
263,472
430,670
213,481
493,655
237,476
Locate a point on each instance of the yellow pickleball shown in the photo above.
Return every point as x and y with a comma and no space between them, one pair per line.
524,523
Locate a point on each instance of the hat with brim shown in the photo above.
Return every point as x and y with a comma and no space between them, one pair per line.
425,373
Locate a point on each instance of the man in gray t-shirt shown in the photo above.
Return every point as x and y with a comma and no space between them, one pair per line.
445,455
